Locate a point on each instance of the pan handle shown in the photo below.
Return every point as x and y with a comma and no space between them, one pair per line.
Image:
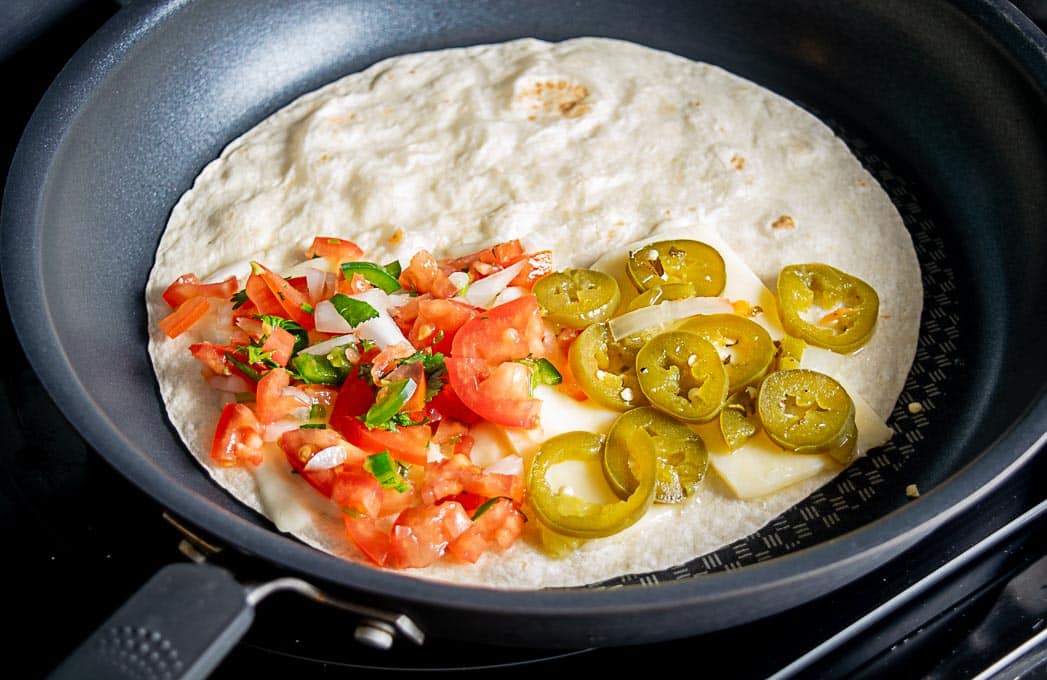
180,624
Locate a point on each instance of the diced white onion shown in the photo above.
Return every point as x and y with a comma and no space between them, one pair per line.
508,295
658,315
382,330
434,454
481,293
328,320
377,298
325,459
326,346
510,465
317,281
228,383
298,394
459,279
304,267
273,431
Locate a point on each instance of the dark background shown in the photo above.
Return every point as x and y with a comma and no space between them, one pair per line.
79,539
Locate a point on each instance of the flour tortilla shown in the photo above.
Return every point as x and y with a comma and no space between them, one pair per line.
579,146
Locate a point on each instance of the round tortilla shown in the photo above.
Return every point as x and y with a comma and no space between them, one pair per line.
581,147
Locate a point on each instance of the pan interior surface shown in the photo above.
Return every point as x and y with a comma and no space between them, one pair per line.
158,93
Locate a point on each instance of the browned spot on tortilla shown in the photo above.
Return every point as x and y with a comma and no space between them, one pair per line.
397,236
862,183
695,103
691,209
784,222
738,162
557,98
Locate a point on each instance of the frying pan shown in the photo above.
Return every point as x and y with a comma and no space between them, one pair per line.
950,96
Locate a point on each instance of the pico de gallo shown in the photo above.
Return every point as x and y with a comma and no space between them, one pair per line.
371,378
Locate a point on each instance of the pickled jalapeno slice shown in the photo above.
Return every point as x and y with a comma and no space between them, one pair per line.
678,261
827,307
683,375
669,291
804,411
576,517
738,419
605,368
577,298
746,347
682,459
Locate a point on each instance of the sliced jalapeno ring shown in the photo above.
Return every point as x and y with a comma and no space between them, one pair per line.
576,517
827,307
746,347
789,353
577,298
804,411
682,459
606,369
657,294
683,375
738,419
678,261
845,449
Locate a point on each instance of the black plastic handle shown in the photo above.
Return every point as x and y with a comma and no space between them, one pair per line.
180,624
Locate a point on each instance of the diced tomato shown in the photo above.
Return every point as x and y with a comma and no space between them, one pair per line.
500,524
457,474
535,267
334,250
212,356
354,285
385,360
272,403
446,404
357,491
283,300
281,343
420,534
555,348
437,322
509,331
423,274
321,395
408,444
237,438
496,257
501,395
300,446
184,317
394,502
372,541
188,286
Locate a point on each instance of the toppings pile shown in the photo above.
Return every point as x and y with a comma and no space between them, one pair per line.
374,380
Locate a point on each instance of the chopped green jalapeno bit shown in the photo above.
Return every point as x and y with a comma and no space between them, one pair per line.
314,368
681,456
542,372
745,345
805,411
388,402
657,294
678,261
377,276
577,298
738,419
790,352
575,517
606,369
845,449
385,470
683,375
827,307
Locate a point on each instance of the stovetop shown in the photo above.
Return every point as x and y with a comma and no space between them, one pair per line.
80,539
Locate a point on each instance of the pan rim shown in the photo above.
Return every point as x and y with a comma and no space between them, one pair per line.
22,274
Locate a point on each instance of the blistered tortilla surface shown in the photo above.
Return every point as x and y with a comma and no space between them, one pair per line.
578,146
